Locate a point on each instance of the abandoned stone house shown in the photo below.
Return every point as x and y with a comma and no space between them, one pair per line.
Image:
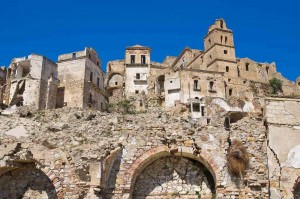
194,74
81,80
31,81
76,80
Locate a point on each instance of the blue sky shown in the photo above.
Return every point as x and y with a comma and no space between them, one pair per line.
264,31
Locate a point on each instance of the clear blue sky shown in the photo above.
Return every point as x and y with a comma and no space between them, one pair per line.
264,31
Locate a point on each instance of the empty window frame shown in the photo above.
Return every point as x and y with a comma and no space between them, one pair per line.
74,55
116,83
196,87
98,82
136,91
91,76
227,69
196,107
132,59
247,66
211,85
143,59
138,76
141,103
230,92
225,40
225,52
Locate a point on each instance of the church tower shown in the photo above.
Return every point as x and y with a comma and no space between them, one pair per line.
219,51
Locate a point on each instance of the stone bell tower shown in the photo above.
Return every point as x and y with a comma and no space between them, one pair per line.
219,51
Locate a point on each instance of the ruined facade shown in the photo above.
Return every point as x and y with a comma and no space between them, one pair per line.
32,82
81,80
194,75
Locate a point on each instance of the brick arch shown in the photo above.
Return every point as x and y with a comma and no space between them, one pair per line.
150,156
31,179
49,162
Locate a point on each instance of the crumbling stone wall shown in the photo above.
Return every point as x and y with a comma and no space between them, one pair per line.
283,121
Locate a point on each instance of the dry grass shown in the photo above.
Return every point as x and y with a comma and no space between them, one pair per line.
237,159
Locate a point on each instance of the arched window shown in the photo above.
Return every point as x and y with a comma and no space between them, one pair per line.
221,23
230,92
225,40
267,69
238,71
227,69
209,41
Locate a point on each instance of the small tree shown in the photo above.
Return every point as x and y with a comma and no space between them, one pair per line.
276,85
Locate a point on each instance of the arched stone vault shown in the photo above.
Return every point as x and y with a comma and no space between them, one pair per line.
150,156
35,158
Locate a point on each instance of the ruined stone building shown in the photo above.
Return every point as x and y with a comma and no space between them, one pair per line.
132,76
32,82
195,75
81,80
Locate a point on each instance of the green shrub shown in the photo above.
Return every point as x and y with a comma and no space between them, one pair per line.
276,85
124,106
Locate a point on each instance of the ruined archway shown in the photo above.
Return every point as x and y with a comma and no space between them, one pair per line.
172,176
202,163
26,182
115,80
33,171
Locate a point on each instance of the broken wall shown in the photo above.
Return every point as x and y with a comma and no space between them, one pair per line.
71,76
283,119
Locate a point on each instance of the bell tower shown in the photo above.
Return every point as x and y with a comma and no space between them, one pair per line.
219,51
